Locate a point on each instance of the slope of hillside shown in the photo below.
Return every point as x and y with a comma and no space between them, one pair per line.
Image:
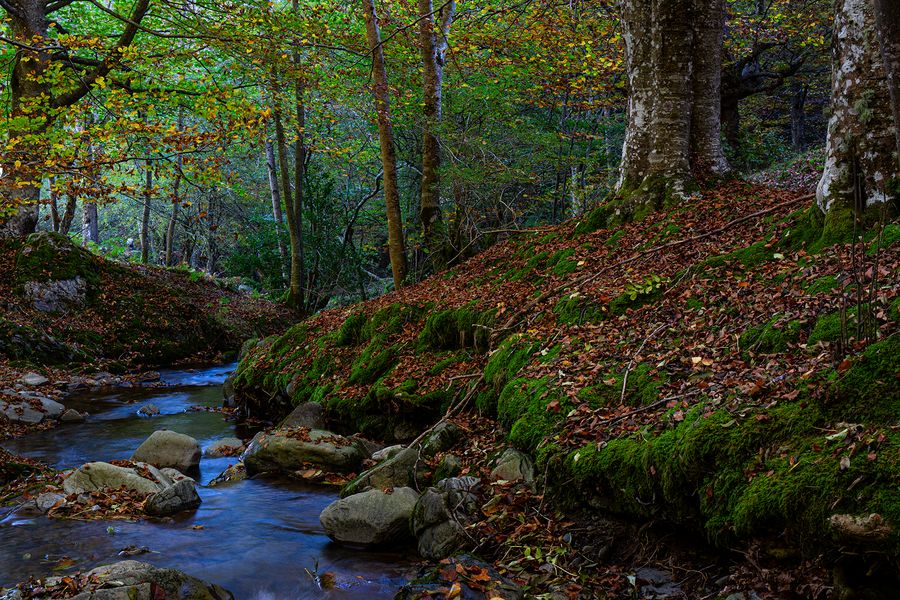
61,304
727,366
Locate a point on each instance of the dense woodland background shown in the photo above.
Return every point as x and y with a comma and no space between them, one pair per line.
202,134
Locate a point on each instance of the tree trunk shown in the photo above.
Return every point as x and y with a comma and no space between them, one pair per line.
295,290
798,116
54,207
28,96
176,200
860,149
396,246
65,224
707,157
90,229
434,48
673,52
276,209
298,295
145,218
887,22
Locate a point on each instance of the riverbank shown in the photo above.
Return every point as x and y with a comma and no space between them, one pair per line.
725,369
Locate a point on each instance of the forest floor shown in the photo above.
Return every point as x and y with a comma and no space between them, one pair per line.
709,393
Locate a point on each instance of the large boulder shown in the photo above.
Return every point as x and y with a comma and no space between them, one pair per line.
441,438
441,514
406,466
55,274
166,448
293,449
224,447
169,491
30,409
133,580
94,476
376,517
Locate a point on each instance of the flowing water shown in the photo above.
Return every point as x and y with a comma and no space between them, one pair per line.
258,537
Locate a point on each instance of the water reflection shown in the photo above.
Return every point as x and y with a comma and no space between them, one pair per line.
257,539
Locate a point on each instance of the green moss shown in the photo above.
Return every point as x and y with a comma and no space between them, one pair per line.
46,256
350,332
378,358
576,309
822,285
457,328
693,303
632,300
594,220
613,240
532,410
391,320
642,388
446,362
738,476
868,390
890,236
561,264
379,413
769,338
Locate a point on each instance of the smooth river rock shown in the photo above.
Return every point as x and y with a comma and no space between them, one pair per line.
288,450
31,410
94,476
133,580
166,448
371,518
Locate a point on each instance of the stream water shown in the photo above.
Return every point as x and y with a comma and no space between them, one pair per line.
258,536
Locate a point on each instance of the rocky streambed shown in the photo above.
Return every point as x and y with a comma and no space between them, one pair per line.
259,537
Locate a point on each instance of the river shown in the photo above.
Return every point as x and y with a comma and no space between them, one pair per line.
256,537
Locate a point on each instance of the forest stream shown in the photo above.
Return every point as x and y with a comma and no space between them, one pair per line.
255,537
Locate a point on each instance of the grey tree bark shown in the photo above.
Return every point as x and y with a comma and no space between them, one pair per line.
861,146
673,51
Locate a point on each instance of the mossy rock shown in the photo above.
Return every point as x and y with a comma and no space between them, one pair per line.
46,256
379,357
456,329
868,389
642,388
532,410
391,320
737,476
350,333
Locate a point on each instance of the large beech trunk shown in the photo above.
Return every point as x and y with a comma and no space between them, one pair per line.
673,51
396,245
861,147
433,42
